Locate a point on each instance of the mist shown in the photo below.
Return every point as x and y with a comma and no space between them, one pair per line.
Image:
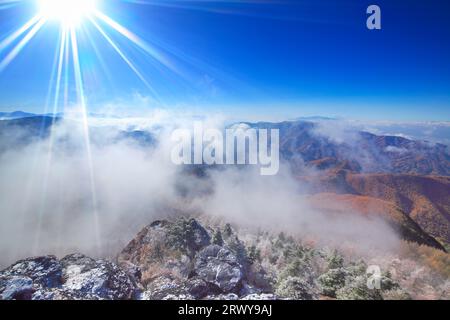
58,197
281,204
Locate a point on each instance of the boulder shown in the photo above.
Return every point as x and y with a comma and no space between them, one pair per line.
45,271
16,288
162,287
219,266
96,278
74,277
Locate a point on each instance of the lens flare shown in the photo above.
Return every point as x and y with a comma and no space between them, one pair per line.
67,12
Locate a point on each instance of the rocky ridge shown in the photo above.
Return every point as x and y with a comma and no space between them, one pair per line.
183,260
75,277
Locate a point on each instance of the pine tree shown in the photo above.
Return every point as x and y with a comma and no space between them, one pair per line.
217,238
228,231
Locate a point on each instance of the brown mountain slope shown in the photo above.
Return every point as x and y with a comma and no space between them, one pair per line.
426,199
307,143
393,215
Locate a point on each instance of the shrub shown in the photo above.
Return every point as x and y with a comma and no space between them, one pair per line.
254,254
335,260
331,281
227,231
217,238
296,288
178,233
182,235
238,248
356,289
297,267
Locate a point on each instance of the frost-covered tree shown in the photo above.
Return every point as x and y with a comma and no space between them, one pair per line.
227,231
296,288
335,260
217,238
331,281
356,289
254,254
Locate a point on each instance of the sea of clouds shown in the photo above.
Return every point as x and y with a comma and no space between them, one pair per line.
60,194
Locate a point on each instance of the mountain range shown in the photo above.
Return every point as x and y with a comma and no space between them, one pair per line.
15,115
402,182
407,182
303,143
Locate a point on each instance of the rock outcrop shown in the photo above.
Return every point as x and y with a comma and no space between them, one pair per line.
165,261
177,260
182,260
74,277
219,266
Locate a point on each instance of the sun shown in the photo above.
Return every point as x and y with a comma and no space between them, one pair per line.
72,17
67,12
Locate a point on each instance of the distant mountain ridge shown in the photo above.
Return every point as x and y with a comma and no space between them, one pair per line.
23,131
405,181
15,115
302,144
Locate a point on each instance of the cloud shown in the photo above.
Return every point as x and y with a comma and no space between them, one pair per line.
336,131
432,131
59,197
279,203
396,149
54,200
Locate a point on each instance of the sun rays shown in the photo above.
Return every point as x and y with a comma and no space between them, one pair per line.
83,26
78,22
72,17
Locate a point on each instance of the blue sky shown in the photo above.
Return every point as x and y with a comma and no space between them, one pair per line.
282,58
